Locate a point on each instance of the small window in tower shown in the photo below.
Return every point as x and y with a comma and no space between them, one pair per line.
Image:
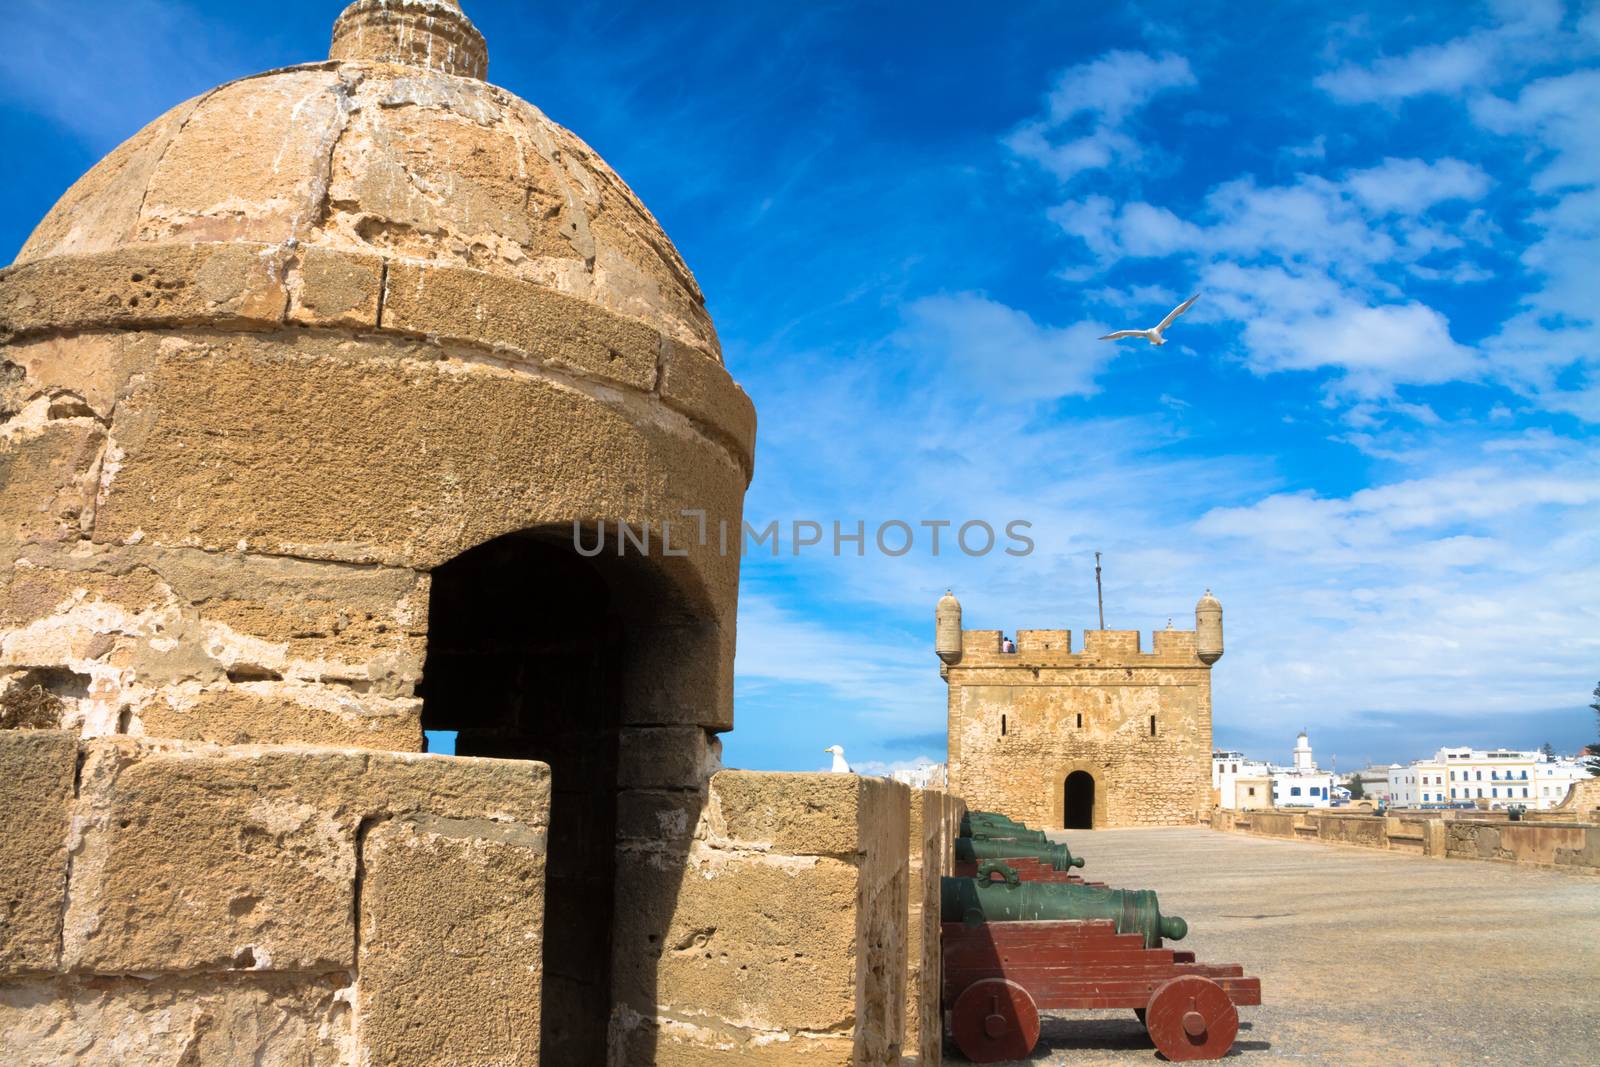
1152,726
1080,720
1002,726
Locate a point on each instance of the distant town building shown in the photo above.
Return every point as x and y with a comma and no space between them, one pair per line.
1302,785
1556,777
1417,784
1240,783
1374,782
922,776
1496,777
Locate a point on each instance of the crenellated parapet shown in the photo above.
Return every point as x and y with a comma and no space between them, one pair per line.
1201,646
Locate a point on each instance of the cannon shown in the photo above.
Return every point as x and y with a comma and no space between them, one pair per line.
991,824
974,818
979,900
1028,868
978,849
1009,833
1012,949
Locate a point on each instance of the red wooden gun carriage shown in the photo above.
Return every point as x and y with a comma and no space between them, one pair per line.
1014,948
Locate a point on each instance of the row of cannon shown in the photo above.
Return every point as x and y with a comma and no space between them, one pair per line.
1022,933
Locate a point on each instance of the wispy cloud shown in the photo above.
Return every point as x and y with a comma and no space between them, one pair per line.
1086,124
1310,268
1524,33
1002,351
132,60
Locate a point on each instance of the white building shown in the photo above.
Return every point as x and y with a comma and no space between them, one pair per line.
923,776
1555,777
1374,782
1240,783
1420,783
1499,777
1303,785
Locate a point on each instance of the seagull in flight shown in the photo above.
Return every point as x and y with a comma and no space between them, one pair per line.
1154,335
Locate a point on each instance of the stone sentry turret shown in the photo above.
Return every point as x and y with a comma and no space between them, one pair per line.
1208,628
302,391
1108,735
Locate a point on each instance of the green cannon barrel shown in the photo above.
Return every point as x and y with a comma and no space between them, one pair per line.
988,820
1000,830
978,849
1135,911
990,817
1007,833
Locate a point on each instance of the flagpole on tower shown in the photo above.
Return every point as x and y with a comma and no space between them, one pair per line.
1099,594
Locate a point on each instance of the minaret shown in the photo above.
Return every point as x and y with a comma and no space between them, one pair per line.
947,628
1208,628
1302,754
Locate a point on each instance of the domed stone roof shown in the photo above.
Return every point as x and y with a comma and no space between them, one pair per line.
395,147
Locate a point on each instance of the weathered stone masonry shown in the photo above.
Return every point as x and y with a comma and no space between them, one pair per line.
302,390
1133,726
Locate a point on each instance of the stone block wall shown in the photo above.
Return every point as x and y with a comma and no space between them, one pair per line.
179,902
1021,723
935,824
1582,800
1540,843
787,942
1567,845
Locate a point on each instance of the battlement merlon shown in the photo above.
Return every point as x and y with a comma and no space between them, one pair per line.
1112,648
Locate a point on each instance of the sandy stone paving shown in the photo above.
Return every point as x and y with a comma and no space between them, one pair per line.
1365,957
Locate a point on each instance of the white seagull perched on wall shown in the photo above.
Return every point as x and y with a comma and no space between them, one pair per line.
1154,335
839,765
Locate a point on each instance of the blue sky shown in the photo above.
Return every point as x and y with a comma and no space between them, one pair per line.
1373,437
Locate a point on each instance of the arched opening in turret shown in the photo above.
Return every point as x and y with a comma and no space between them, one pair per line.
532,652
1078,801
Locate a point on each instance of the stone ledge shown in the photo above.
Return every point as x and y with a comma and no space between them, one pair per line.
1565,846
253,286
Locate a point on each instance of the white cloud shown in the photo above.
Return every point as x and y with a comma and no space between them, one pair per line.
1459,584
1369,216
779,646
1559,112
1309,321
1411,186
1551,347
1441,68
1307,269
1526,32
1002,350
1086,112
1316,148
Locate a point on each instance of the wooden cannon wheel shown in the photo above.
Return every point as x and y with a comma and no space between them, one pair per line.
995,1020
1191,1018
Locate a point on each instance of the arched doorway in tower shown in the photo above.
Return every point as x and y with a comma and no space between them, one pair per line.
1077,808
533,652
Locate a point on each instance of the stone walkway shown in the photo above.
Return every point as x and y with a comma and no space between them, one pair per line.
1365,957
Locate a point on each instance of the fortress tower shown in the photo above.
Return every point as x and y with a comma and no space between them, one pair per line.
1111,735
